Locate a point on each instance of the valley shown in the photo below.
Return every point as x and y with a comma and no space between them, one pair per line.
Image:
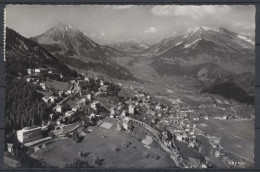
95,98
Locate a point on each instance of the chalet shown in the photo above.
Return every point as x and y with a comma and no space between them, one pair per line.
82,101
92,115
89,97
112,113
49,99
37,71
86,79
126,123
29,134
95,105
59,108
206,117
158,107
61,93
123,114
131,109
51,116
98,93
68,92
43,85
101,83
28,79
217,154
29,71
10,148
196,119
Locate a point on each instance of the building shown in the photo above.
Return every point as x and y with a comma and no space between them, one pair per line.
86,79
43,85
101,83
68,92
89,97
126,123
49,99
29,71
28,79
37,70
123,114
158,107
59,108
76,108
112,113
29,134
61,93
10,148
95,105
131,109
82,101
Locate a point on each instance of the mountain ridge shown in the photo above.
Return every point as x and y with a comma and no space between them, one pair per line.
75,49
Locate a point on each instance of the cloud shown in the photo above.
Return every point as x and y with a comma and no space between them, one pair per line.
103,34
190,11
151,30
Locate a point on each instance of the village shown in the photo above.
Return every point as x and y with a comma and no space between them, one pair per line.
85,101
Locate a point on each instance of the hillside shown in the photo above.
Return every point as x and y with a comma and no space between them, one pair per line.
75,49
22,53
211,56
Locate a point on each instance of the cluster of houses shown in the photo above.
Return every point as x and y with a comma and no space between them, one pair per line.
180,125
38,71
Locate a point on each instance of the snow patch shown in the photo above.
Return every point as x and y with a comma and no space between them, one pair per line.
188,45
245,39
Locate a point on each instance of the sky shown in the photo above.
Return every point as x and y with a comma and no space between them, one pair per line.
149,23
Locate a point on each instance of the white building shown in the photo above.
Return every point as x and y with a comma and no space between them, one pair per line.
59,108
123,114
43,85
89,97
29,134
37,70
28,79
131,109
158,107
49,99
126,123
82,101
86,79
94,105
76,108
101,83
112,113
29,71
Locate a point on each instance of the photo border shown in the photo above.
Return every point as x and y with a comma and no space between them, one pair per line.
132,2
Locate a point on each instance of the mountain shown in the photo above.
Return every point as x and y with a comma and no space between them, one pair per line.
70,41
133,46
212,56
22,53
75,49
